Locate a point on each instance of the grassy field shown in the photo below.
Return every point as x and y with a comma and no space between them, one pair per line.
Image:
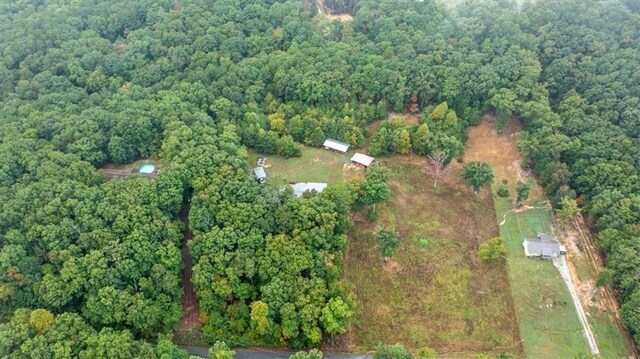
315,165
435,292
548,323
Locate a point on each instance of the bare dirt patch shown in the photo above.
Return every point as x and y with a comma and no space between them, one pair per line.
586,263
408,118
499,150
330,14
190,304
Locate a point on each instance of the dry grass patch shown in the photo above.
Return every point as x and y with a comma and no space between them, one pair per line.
435,292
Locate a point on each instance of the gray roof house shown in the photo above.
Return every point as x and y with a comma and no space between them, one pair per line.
300,188
331,144
260,174
544,247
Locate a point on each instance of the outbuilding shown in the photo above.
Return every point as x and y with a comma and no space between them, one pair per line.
362,159
543,247
331,144
261,175
300,188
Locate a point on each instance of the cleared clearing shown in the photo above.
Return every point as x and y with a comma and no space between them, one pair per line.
315,165
547,319
435,292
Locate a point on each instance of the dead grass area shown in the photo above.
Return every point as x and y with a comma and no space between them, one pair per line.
533,282
585,264
408,118
499,150
340,17
435,292
332,15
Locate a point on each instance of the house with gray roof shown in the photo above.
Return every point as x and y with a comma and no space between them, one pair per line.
543,247
300,188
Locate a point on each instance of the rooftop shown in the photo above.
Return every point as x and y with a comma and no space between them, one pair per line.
302,187
259,172
362,159
544,246
336,145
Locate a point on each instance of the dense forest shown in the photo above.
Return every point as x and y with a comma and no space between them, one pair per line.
193,83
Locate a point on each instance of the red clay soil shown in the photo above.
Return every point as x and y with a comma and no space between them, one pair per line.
189,300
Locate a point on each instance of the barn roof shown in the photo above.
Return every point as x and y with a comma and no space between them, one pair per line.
362,159
336,145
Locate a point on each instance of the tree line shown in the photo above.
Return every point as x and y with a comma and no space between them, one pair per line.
194,83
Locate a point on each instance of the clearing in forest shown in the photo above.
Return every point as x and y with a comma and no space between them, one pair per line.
331,14
315,165
112,170
435,292
548,323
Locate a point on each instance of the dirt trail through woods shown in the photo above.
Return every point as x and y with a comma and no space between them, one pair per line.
189,300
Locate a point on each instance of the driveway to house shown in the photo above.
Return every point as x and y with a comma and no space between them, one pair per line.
560,262
257,353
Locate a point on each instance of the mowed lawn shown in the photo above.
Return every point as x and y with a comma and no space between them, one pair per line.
548,321
315,165
435,292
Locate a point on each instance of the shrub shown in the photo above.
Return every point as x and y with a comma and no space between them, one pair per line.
389,241
503,191
312,354
426,353
396,351
220,350
492,249
372,215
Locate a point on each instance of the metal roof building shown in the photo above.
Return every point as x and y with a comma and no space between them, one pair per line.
300,188
260,174
362,159
331,144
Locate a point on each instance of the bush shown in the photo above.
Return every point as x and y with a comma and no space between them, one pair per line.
312,354
426,353
220,350
372,215
503,191
492,249
389,241
396,351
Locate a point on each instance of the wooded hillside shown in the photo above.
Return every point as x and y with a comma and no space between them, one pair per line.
191,84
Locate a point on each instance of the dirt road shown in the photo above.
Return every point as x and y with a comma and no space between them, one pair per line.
189,300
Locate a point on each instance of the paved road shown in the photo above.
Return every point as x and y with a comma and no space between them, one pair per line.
560,262
268,354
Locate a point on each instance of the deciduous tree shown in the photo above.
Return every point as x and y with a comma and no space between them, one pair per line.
477,174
